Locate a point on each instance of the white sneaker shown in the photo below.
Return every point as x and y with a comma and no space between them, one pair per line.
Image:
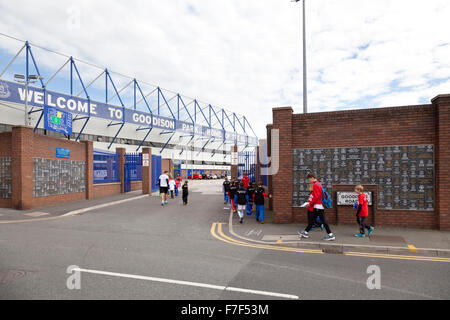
329,237
303,234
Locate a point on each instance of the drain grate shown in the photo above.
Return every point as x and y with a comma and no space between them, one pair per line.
10,275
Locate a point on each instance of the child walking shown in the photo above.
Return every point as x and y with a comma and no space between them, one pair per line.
318,209
226,191
362,213
232,193
172,187
250,193
177,185
258,200
185,192
241,199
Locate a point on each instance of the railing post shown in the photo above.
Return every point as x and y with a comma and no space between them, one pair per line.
147,171
121,152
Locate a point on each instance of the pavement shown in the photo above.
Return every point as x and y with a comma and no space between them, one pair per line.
8,215
138,249
389,240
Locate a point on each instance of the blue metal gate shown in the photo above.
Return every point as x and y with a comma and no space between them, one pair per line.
247,163
132,170
106,166
156,171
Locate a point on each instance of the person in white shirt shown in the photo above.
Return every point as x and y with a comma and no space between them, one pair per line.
171,187
163,182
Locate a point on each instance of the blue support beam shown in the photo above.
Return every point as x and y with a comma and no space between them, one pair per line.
192,137
165,101
143,97
143,140
215,114
214,151
204,117
167,142
185,108
204,146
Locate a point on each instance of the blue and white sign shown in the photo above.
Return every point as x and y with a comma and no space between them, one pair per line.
62,153
15,92
57,120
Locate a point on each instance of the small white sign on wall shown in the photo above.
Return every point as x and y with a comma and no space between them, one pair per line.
234,158
349,198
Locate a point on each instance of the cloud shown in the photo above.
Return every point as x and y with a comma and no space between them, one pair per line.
245,56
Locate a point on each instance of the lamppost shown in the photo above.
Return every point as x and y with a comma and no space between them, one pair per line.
20,78
305,92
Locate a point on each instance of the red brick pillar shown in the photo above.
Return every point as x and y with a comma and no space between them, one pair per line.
442,158
282,181
269,178
22,167
121,152
89,175
234,168
146,171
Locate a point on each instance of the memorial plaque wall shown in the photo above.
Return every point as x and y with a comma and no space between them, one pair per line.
54,176
5,177
404,174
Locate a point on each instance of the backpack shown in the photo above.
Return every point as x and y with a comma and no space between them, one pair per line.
326,198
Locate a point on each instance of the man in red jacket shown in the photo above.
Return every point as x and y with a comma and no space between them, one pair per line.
318,210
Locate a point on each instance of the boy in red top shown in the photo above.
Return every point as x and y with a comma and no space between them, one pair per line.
177,185
245,180
315,203
362,213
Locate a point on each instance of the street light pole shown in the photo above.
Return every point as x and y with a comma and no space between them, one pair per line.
26,103
305,91
26,79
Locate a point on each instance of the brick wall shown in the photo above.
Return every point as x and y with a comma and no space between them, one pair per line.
105,189
407,125
23,147
5,144
442,159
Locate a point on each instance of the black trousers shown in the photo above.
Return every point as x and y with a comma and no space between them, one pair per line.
185,196
362,224
321,214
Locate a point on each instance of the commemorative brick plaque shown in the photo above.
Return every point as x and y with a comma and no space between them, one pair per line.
404,174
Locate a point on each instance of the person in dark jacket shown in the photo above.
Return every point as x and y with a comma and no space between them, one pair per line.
226,191
185,192
258,199
241,199
233,190
250,192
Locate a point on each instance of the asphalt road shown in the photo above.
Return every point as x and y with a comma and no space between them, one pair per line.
163,245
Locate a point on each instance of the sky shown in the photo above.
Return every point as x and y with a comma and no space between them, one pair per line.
246,55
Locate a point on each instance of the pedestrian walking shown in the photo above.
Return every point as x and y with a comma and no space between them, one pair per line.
232,193
185,192
177,185
172,188
241,199
226,191
245,180
250,192
362,213
163,182
258,199
316,203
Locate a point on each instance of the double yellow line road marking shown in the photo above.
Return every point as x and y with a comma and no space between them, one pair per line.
217,232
